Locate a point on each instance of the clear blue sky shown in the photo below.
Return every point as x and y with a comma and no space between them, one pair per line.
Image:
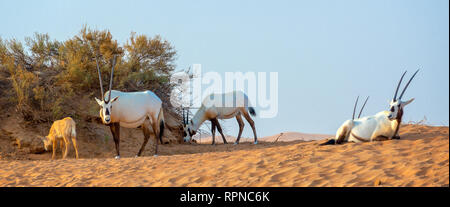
326,52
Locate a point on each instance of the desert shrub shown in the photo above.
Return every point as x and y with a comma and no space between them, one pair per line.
27,73
3,51
14,59
47,75
78,58
39,95
23,82
44,52
149,64
150,54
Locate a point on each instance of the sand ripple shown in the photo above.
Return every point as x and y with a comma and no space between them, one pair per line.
420,158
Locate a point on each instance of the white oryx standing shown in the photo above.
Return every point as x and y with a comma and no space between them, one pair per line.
131,110
221,106
382,126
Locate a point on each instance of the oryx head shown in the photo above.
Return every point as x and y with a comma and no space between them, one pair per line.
47,142
106,104
188,131
397,104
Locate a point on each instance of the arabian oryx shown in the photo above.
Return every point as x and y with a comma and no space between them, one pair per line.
131,110
61,130
382,126
221,106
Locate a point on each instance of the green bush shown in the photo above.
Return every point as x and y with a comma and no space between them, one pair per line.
47,75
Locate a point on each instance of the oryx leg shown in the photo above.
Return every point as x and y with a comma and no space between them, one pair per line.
252,124
241,127
397,133
74,142
156,132
66,149
146,130
54,148
220,130
378,135
379,138
340,139
115,130
61,146
396,137
343,132
213,132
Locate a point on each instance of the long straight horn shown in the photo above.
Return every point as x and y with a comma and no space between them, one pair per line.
404,89
187,116
398,86
112,77
182,113
360,112
100,78
354,108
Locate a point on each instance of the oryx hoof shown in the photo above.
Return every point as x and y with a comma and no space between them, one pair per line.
117,157
256,142
155,155
136,156
396,137
236,143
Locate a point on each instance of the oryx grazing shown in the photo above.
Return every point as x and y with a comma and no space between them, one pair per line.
131,110
221,106
382,126
61,130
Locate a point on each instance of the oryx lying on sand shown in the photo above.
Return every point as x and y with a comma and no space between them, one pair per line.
221,106
381,126
62,131
131,110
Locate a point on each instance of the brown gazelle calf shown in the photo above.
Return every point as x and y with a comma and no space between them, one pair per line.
62,131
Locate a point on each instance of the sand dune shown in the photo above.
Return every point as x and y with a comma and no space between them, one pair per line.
420,158
282,137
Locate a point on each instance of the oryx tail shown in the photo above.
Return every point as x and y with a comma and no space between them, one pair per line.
252,111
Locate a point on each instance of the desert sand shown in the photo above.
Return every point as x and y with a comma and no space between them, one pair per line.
281,137
419,158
